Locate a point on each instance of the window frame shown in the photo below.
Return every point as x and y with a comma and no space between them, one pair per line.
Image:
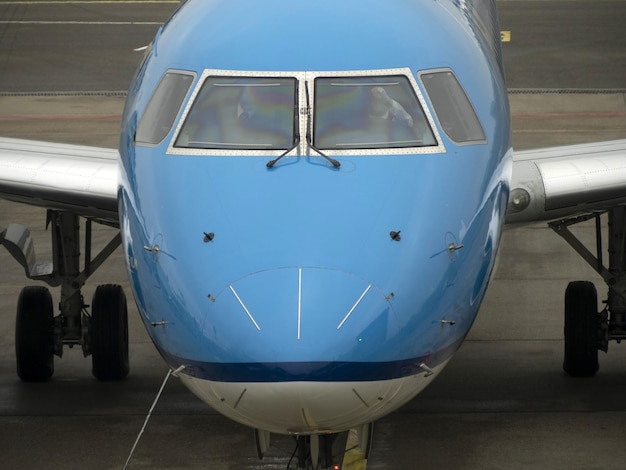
471,108
306,80
207,73
175,113
369,148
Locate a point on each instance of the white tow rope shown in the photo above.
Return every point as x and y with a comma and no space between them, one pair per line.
145,423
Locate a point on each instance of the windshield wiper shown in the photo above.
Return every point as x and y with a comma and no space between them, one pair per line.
296,142
271,163
309,140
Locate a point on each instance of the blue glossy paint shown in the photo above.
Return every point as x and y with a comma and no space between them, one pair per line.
302,281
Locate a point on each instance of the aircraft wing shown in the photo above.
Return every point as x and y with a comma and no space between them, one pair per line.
73,178
565,181
547,183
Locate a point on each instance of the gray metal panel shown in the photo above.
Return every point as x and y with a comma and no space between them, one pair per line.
564,181
76,178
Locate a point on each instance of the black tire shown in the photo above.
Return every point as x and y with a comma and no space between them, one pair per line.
109,333
581,329
34,335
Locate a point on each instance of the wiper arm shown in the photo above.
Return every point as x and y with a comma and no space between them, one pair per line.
271,163
296,123
334,162
309,140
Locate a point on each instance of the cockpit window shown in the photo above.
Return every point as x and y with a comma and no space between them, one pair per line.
158,118
453,108
369,112
242,113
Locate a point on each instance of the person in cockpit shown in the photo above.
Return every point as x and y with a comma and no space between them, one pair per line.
382,106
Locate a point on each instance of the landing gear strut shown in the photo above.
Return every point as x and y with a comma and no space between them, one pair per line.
39,335
319,452
315,452
586,329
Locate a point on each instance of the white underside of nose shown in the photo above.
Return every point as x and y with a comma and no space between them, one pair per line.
309,407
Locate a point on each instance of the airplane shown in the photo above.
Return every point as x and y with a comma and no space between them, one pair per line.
310,198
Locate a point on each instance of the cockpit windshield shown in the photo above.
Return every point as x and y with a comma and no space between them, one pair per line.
342,113
369,112
242,113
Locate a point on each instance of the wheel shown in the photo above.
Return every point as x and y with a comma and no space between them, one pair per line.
109,333
581,329
34,335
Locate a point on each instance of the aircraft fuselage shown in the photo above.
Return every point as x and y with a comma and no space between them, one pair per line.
304,297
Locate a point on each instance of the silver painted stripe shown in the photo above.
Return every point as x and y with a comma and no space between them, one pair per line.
354,306
299,300
232,289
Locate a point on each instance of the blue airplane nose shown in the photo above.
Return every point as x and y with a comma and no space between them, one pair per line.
304,349
297,316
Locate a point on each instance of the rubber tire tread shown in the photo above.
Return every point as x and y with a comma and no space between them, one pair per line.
34,335
581,329
109,333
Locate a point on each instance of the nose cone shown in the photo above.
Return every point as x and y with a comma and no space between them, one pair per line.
308,407
297,319
303,350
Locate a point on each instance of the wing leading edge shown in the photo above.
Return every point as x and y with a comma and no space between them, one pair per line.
547,184
566,181
74,178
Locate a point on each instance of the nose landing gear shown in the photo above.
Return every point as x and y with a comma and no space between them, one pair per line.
315,452
325,451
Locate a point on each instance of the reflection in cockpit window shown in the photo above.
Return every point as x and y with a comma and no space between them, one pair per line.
164,105
241,113
369,112
453,108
